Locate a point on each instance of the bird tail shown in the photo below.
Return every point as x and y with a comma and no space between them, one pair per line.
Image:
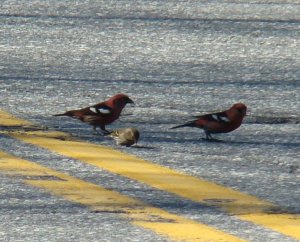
188,124
60,114
68,113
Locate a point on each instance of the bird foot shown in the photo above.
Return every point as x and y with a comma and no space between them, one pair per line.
106,132
102,132
212,140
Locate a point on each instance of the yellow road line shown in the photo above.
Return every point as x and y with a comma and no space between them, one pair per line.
101,200
244,206
6,119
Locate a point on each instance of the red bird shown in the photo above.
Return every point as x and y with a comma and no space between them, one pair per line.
100,114
222,122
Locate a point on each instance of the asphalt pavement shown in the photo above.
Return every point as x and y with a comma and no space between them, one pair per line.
175,59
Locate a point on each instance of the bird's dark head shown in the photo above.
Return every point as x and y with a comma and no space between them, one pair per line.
120,100
241,108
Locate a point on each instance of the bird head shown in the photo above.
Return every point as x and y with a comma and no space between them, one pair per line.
241,108
114,133
120,100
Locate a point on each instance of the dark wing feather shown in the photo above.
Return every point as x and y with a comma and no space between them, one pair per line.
100,109
221,117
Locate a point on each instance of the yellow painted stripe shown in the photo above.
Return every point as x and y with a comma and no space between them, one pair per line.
6,119
244,206
101,200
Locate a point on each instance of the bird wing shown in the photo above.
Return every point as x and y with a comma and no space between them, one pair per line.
220,117
100,109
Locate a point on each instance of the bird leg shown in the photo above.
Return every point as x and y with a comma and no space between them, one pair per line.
208,135
102,132
210,138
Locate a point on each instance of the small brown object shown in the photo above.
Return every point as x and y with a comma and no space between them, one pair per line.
125,136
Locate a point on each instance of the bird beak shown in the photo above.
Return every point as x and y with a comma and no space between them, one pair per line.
130,101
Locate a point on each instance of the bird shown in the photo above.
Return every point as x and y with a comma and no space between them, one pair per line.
100,114
220,122
125,136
